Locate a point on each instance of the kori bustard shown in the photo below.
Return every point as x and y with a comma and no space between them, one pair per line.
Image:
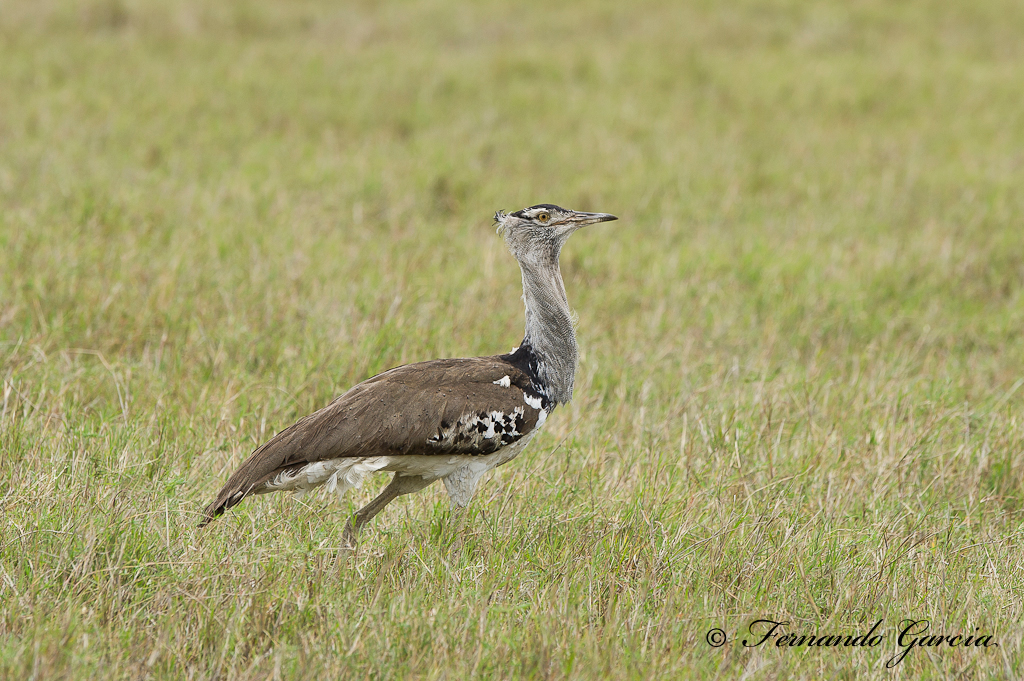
453,419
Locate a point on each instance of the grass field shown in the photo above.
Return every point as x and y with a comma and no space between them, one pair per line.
801,387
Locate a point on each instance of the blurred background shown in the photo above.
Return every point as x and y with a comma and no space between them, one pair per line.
812,172
214,217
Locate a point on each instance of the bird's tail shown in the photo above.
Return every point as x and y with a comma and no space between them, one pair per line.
228,497
247,480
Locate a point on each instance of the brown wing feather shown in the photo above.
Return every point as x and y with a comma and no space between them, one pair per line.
423,408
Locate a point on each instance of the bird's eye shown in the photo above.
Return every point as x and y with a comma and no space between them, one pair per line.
543,217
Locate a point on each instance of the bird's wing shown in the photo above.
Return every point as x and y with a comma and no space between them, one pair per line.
450,406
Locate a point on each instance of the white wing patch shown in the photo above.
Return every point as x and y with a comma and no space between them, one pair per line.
534,402
504,382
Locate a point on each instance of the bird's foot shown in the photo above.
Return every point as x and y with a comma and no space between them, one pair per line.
350,538
457,526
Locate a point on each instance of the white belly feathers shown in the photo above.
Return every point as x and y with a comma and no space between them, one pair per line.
461,472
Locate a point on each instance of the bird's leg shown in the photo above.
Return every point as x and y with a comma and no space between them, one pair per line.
461,485
457,527
398,486
366,513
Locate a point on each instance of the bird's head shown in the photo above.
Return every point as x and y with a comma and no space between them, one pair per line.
537,233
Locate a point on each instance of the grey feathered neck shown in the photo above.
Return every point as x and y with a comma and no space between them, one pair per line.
535,236
549,330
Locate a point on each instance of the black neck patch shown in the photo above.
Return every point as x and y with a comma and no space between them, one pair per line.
525,359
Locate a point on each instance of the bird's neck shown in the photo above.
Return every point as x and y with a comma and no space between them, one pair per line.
549,331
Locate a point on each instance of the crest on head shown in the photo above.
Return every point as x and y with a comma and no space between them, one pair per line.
542,229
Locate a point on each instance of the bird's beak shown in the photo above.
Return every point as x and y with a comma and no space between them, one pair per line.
579,219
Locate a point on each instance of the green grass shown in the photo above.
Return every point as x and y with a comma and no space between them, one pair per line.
801,387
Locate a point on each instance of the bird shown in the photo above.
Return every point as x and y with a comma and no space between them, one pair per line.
447,419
